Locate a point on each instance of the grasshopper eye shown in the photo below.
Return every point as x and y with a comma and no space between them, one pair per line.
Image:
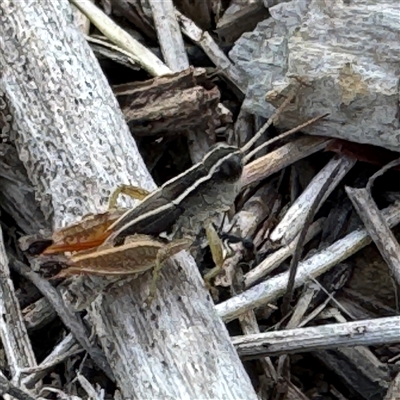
231,169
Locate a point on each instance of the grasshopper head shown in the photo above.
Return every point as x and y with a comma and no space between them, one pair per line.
231,168
224,163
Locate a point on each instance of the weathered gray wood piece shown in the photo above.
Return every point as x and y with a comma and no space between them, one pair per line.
13,333
73,141
346,51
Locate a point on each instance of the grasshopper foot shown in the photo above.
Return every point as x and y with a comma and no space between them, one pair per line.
153,283
135,192
164,254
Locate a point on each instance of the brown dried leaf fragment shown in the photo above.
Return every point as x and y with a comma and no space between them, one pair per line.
362,152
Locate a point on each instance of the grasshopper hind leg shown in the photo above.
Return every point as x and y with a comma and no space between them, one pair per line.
169,250
153,283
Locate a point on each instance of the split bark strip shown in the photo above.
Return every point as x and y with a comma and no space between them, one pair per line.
216,55
39,314
377,228
91,392
280,158
294,219
365,333
14,336
244,226
80,150
270,290
67,316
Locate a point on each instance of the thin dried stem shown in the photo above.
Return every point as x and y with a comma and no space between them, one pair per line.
280,158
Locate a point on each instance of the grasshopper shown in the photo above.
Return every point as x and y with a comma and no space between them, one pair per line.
185,201
124,243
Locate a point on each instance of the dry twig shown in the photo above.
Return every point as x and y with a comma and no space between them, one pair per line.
169,35
216,55
280,158
65,349
366,333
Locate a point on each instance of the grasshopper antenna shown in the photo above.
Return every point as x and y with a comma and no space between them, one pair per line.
281,136
271,120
